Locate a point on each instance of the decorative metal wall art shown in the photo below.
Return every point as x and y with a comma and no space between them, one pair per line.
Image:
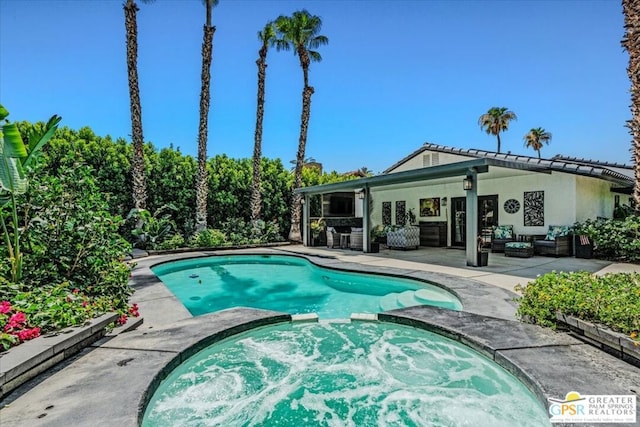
533,208
386,213
401,211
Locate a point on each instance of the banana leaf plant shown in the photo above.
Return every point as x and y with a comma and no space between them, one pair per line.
15,159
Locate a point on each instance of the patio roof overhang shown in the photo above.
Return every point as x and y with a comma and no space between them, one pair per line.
422,174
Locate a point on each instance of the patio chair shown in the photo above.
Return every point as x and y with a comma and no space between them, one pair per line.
407,237
558,241
500,235
333,238
356,242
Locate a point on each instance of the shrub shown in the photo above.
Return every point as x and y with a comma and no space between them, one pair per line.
208,238
176,241
617,240
71,237
612,300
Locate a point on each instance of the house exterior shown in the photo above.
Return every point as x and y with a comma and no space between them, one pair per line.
527,192
458,193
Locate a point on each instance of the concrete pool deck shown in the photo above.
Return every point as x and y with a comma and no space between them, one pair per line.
105,383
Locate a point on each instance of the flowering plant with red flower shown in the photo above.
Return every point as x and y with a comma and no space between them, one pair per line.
14,327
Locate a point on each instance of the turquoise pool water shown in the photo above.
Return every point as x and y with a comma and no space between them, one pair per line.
341,374
292,285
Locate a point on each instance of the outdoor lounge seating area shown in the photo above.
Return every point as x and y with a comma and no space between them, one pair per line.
346,238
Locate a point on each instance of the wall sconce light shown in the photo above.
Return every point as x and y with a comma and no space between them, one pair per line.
443,201
302,202
361,195
467,183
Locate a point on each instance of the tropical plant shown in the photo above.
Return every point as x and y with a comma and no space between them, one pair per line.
317,226
535,139
137,164
631,43
16,160
496,120
300,32
153,230
268,37
205,95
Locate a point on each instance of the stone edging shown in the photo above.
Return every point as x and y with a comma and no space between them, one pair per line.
614,343
23,362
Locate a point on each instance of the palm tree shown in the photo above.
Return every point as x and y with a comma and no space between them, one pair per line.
535,139
205,94
496,120
137,163
300,32
631,43
268,37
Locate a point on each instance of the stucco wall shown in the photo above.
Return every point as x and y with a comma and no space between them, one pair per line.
594,199
567,198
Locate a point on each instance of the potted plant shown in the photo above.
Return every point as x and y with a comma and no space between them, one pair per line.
483,254
410,217
317,227
583,240
378,235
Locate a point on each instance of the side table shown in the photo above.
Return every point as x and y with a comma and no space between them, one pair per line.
345,241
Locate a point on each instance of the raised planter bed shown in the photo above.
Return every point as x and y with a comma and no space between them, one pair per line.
614,343
23,362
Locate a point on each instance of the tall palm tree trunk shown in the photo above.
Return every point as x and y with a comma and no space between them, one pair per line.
201,179
295,233
137,163
296,207
631,43
498,137
256,198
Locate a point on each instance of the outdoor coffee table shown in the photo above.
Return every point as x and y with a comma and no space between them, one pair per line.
518,249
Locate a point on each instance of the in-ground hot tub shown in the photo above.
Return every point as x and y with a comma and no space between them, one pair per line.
341,373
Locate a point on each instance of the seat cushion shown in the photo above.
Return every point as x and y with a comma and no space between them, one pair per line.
557,231
517,245
503,232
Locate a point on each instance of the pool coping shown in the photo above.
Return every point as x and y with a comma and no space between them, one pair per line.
123,370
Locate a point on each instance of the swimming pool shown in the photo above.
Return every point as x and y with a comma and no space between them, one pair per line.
293,285
342,374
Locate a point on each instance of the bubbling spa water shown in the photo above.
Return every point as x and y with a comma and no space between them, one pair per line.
341,374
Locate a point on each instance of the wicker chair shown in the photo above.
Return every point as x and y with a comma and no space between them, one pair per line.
333,238
356,242
500,235
558,242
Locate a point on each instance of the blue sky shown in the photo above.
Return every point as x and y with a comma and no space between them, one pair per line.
394,75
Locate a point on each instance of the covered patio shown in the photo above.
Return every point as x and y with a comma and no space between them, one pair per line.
466,172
